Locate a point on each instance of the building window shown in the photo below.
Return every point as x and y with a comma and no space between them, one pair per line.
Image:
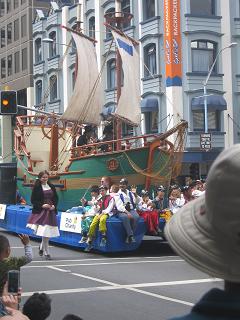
150,63
151,122
38,92
53,87
24,59
110,13
8,6
126,9
213,120
111,74
73,80
9,62
24,26
73,48
15,4
3,68
91,27
9,33
2,8
203,55
38,50
148,9
127,130
16,30
17,62
203,7
3,38
52,45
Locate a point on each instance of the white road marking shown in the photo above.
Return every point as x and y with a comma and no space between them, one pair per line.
58,269
108,259
103,263
96,279
22,247
130,287
162,297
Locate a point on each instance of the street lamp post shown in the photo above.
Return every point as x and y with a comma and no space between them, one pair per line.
233,44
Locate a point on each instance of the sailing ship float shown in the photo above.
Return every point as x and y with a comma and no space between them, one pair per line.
49,142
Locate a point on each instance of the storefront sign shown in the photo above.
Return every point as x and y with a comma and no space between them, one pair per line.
206,141
173,44
70,222
2,211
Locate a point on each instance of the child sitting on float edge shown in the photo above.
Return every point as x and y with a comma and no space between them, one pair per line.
88,215
106,204
146,209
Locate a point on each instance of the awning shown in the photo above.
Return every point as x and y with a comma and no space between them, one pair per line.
149,105
214,102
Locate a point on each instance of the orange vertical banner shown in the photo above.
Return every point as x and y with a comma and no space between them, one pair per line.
173,43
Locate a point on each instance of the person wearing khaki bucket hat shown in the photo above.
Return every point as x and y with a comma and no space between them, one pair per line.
206,233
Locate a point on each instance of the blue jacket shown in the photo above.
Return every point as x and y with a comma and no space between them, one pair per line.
215,305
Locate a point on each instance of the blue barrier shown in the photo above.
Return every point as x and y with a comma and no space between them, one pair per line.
17,215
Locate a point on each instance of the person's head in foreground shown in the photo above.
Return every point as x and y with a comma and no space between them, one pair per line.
206,233
37,307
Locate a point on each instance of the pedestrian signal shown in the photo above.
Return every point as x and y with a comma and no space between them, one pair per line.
8,102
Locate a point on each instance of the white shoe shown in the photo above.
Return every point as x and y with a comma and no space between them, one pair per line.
83,240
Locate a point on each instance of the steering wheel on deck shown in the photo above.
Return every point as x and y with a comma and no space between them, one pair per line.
47,124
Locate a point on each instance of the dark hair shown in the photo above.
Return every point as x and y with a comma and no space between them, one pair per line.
102,187
70,316
37,307
41,173
4,244
94,188
123,181
88,129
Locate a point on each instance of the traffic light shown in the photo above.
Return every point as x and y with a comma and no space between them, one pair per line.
8,102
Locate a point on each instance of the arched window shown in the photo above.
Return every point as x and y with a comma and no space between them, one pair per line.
150,64
111,74
203,55
108,32
91,27
52,45
38,88
38,50
148,9
53,88
203,7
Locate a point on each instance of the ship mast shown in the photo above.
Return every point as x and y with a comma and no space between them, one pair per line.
118,18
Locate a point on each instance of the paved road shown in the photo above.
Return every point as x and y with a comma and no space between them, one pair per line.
151,283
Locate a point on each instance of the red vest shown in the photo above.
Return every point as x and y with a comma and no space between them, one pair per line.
104,202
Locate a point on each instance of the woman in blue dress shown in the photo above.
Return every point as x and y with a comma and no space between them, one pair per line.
43,219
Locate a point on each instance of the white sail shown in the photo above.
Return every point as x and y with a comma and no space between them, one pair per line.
85,104
129,103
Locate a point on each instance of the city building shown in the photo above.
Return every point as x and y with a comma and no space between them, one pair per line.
16,58
179,42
